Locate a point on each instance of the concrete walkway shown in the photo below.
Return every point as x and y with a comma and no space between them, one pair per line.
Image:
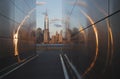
45,66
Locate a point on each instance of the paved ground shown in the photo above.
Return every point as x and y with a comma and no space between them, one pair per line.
46,66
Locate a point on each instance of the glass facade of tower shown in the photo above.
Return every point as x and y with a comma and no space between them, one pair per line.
95,37
12,12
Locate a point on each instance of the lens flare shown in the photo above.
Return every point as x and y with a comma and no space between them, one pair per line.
16,35
96,36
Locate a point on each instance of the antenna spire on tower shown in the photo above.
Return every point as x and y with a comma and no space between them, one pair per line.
46,12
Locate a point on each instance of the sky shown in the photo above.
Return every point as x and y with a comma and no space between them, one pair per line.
54,9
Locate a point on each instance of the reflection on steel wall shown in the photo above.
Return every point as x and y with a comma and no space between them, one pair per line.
12,13
95,37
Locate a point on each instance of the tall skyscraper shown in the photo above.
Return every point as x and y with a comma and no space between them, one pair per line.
60,37
68,33
46,28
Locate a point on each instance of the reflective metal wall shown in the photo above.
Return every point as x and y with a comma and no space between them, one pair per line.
95,37
12,13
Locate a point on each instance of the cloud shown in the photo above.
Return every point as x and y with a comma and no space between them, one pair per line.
57,25
79,3
55,20
43,13
40,3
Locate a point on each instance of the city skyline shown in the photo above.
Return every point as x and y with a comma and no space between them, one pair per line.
54,10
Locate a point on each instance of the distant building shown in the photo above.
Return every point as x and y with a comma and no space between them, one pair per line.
46,29
68,35
68,31
53,39
57,39
60,37
39,35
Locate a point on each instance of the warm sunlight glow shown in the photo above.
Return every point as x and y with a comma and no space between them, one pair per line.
16,35
110,37
96,36
110,42
15,43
